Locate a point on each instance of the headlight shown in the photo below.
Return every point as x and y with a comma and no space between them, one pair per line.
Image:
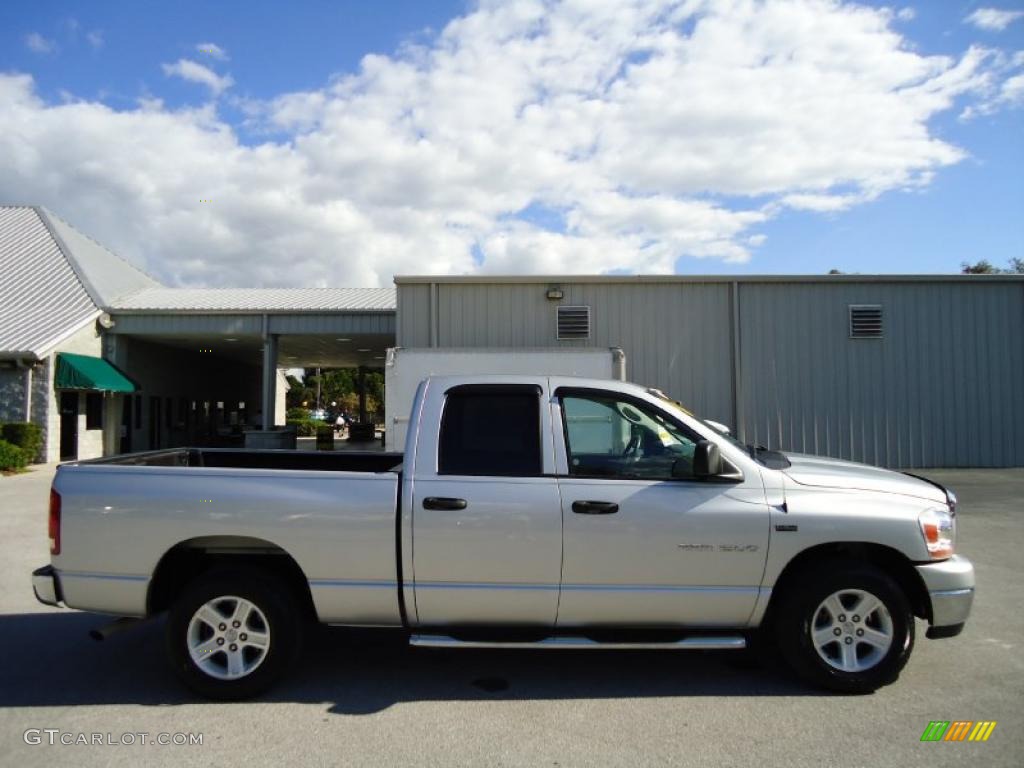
938,526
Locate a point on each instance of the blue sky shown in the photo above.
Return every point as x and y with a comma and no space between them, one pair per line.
786,137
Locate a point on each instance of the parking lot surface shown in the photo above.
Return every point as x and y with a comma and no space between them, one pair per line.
372,701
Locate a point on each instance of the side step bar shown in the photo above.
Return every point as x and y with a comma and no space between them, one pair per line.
697,643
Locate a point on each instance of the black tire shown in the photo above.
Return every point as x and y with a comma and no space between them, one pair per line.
803,611
274,616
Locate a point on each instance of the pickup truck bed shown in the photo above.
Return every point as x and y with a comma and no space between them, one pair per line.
332,512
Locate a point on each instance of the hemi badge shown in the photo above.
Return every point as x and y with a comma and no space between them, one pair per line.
785,528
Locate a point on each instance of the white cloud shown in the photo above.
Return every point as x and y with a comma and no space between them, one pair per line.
993,19
906,14
39,44
95,38
213,51
584,136
195,72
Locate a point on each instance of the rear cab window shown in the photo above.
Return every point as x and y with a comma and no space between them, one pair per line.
491,430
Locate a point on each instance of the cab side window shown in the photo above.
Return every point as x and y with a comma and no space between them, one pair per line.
622,438
491,431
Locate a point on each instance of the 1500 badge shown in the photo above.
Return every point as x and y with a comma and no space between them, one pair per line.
719,548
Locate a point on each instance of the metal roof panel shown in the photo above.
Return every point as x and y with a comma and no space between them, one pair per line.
260,300
41,296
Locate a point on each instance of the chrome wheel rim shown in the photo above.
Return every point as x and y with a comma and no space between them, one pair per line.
852,630
228,637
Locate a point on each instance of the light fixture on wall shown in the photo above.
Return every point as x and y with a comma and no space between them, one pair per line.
555,293
106,321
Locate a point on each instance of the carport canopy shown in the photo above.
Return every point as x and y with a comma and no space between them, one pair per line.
278,327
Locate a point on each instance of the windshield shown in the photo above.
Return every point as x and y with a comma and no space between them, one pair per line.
763,456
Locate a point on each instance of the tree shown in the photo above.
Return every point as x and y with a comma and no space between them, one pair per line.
985,267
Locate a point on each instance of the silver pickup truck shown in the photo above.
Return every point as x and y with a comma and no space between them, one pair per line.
526,512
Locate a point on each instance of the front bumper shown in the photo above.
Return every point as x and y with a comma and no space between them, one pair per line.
950,586
46,585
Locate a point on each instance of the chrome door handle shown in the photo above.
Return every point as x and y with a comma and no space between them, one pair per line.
443,503
595,507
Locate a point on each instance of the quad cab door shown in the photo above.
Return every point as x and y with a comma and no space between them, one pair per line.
646,543
486,516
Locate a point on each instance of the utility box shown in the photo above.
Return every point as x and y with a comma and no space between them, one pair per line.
406,368
325,438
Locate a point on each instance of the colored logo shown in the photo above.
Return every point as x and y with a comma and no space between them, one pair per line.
958,730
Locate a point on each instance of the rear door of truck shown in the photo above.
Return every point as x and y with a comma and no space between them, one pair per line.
486,514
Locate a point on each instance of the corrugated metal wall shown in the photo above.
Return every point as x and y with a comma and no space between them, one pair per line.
943,387
676,337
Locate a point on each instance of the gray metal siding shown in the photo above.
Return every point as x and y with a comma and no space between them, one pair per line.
676,336
248,325
941,388
413,316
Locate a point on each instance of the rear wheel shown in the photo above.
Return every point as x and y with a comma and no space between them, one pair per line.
847,628
232,634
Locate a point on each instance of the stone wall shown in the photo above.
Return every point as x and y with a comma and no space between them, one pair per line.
12,394
12,399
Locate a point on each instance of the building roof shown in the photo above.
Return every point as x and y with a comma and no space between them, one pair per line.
627,279
105,275
41,296
53,280
249,300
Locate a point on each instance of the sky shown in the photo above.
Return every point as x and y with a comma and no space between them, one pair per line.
341,143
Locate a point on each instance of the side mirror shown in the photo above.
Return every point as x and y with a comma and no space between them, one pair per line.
707,461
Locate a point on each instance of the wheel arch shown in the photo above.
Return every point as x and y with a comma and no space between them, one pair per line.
891,561
189,559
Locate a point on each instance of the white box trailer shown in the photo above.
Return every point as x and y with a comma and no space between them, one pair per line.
406,368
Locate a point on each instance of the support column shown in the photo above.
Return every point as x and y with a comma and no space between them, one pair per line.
269,379
113,406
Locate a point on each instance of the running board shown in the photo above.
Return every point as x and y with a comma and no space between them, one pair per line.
697,643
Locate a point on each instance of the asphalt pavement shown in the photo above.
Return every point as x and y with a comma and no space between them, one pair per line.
368,700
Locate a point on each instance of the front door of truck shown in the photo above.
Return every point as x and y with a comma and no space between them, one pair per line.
486,517
642,545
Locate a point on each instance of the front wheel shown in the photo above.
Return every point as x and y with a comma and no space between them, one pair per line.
232,634
847,628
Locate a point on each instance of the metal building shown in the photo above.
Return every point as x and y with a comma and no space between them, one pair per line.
898,371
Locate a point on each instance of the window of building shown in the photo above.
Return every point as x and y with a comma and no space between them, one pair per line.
94,411
623,438
491,430
138,411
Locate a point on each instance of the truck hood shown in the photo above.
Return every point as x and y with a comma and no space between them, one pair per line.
833,473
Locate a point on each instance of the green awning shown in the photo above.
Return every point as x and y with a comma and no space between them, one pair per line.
86,372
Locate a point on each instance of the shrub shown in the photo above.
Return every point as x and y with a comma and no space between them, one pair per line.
305,427
26,436
11,456
297,414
